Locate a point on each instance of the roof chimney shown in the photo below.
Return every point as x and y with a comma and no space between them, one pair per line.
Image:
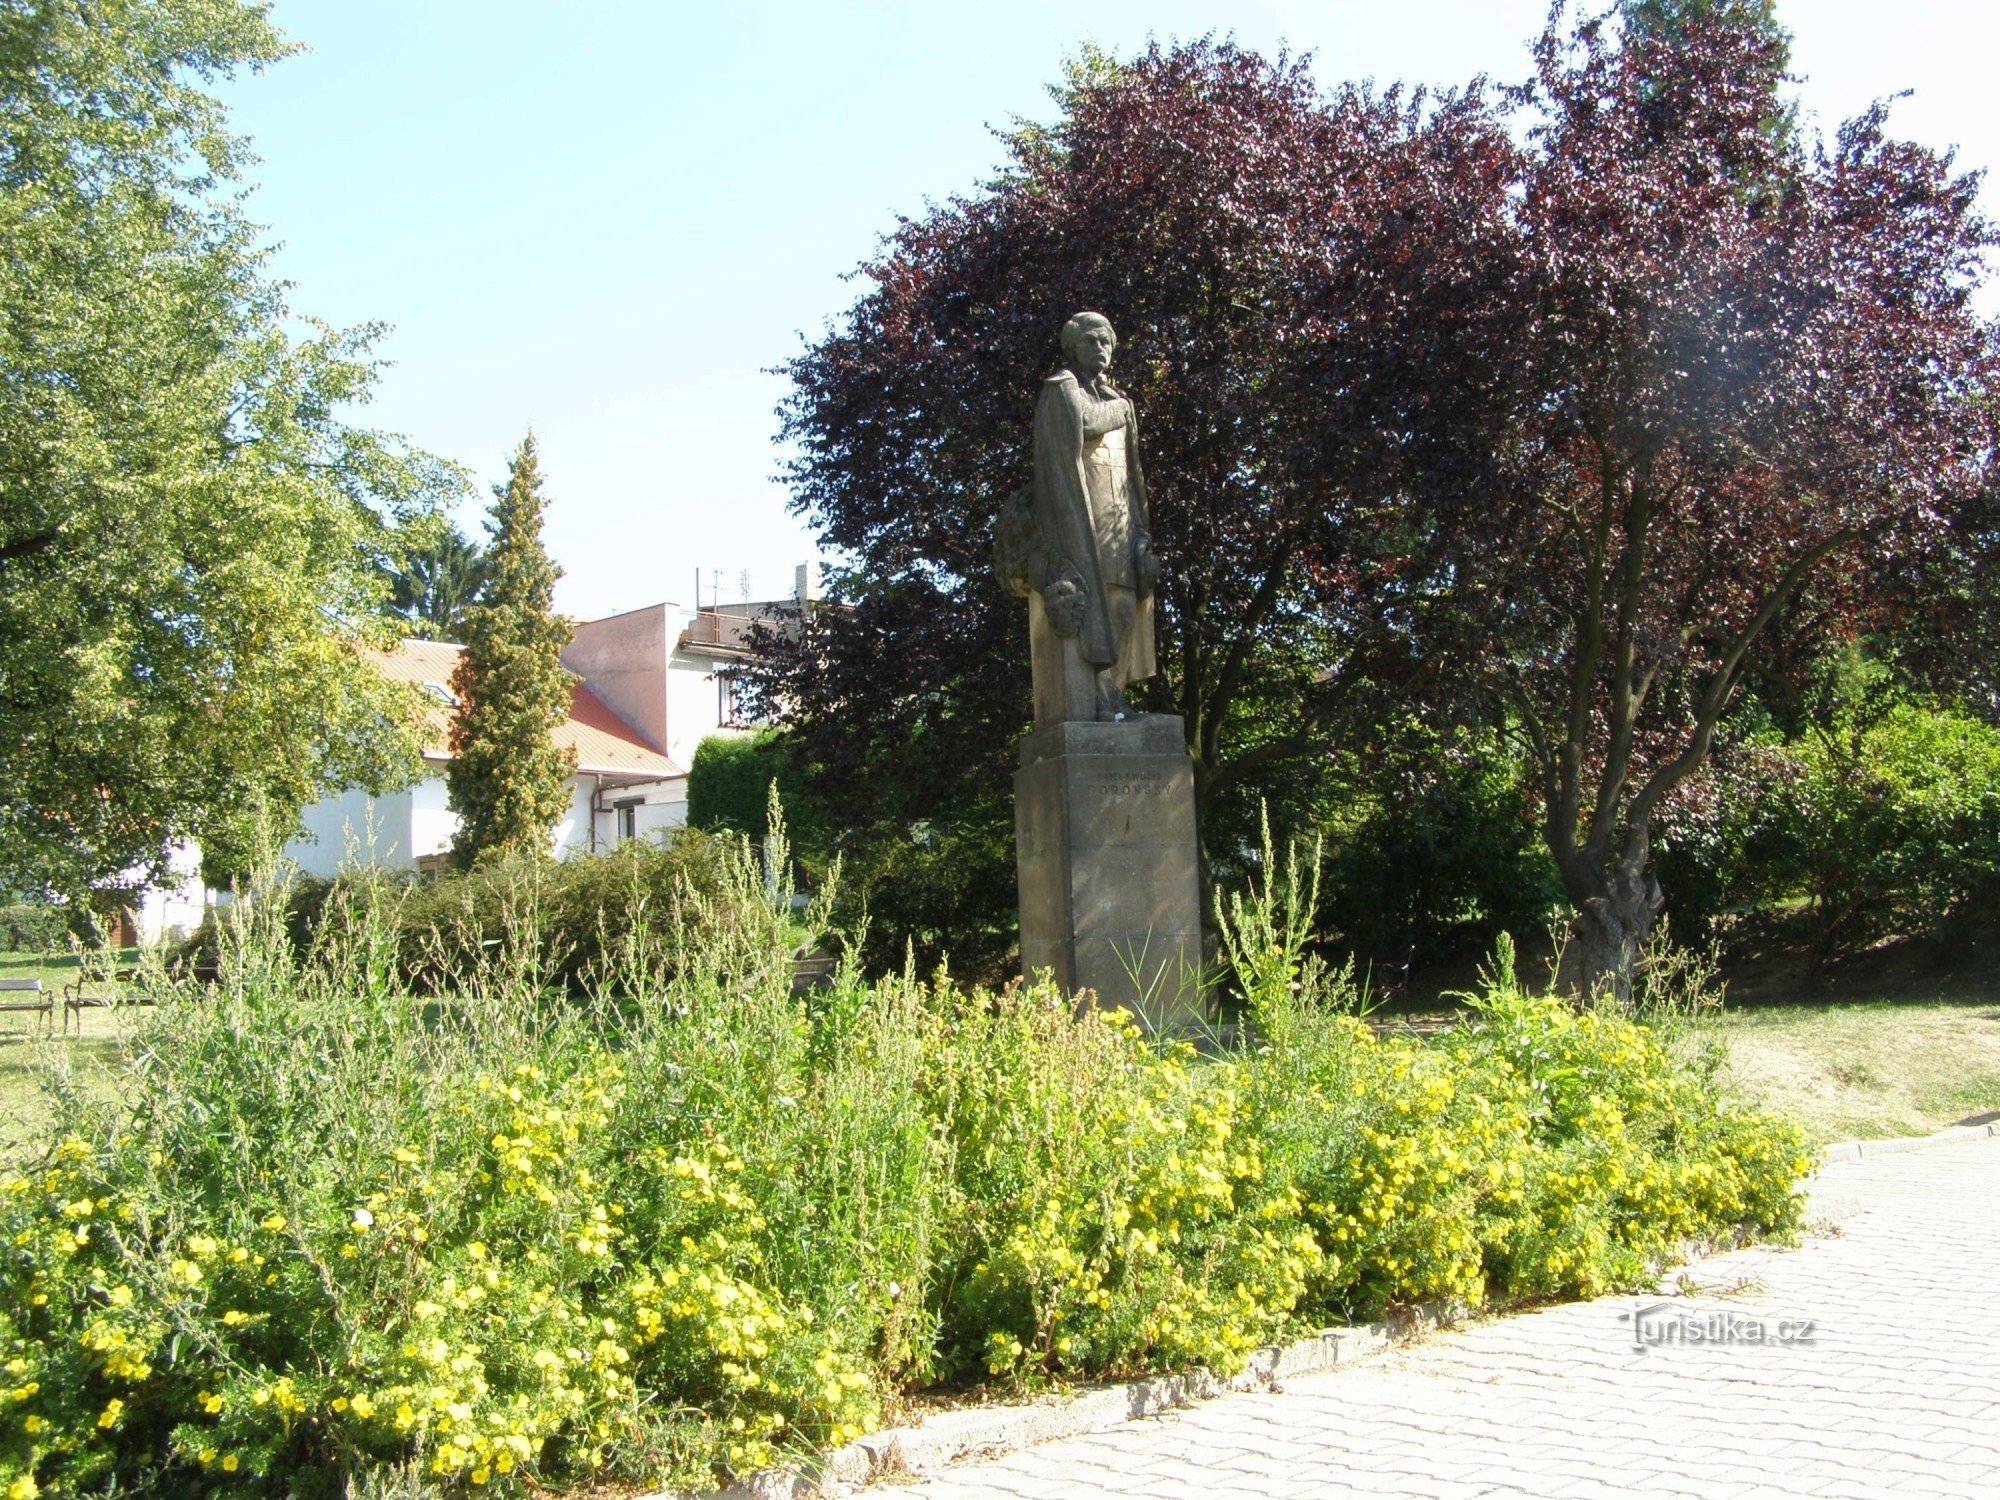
805,587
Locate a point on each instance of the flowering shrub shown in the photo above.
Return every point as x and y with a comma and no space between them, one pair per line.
508,1240
1119,1212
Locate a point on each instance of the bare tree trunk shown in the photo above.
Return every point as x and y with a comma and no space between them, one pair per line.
1610,929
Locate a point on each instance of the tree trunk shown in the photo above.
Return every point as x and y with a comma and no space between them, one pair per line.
1612,923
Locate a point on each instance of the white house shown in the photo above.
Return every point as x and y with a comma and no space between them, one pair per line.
160,913
653,683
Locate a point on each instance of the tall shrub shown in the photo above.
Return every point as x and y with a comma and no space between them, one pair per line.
1892,826
507,779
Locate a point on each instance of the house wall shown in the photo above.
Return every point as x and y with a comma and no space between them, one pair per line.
379,829
171,910
668,696
662,808
572,833
433,825
632,662
397,829
693,704
623,659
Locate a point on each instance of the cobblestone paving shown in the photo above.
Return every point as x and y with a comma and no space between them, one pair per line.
1895,1394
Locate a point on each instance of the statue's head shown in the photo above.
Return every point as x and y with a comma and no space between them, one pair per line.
1088,342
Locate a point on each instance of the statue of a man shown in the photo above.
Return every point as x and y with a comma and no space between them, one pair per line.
1078,542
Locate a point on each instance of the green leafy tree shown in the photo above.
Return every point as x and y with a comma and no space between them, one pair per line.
1869,810
507,778
187,527
436,575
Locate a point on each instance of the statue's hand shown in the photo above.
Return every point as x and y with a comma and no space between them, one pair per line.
1015,542
1063,602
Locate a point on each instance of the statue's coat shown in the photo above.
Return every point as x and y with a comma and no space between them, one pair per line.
1065,415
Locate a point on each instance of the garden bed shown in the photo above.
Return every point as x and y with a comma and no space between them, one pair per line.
328,1227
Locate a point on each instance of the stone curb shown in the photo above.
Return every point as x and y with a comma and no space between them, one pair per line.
945,1437
1897,1145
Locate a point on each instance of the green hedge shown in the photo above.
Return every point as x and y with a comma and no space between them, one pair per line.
1878,823
33,927
585,920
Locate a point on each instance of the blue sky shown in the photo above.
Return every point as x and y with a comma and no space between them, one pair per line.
610,218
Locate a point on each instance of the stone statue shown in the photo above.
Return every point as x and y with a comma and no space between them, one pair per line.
1104,814
1078,543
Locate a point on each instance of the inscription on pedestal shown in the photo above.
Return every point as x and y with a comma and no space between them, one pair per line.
1137,787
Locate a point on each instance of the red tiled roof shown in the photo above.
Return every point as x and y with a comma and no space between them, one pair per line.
604,743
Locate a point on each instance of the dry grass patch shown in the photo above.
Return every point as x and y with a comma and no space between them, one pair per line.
1857,1071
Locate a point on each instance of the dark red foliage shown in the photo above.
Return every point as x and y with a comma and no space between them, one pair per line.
1735,379
1574,421
1230,220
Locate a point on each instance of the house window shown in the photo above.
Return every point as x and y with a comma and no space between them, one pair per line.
628,817
725,700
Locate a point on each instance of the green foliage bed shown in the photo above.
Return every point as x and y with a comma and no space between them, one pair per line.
508,1237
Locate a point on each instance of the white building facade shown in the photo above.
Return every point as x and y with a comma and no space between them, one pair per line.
653,683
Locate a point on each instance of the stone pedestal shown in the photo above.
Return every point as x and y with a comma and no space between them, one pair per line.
1104,826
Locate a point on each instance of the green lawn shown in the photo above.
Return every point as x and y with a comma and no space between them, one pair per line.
53,969
28,1044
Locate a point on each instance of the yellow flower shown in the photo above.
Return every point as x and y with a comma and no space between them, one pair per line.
229,1464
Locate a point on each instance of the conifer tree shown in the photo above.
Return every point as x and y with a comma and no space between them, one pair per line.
507,776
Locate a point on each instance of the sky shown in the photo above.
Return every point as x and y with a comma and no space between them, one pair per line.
611,220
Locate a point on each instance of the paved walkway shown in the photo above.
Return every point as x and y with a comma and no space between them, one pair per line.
1896,1394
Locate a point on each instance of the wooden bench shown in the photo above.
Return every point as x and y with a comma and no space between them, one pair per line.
41,1002
75,1000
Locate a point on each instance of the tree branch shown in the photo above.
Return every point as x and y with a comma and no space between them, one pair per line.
1624,701
28,546
1216,710
1560,815
1720,688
